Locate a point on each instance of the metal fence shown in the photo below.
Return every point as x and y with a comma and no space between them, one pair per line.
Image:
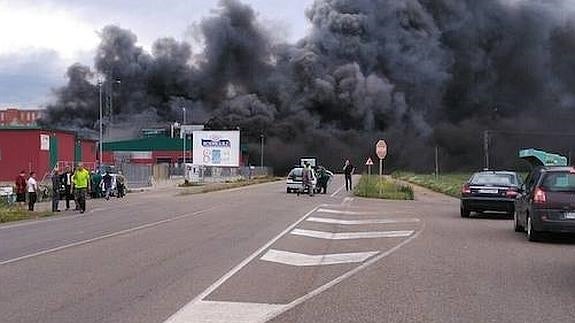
137,176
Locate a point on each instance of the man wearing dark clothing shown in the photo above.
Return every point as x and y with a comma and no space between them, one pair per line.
107,180
322,179
56,183
66,180
21,189
348,170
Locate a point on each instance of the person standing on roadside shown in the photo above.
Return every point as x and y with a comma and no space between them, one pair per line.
307,177
348,170
107,183
81,185
56,184
21,185
66,179
322,179
120,184
32,188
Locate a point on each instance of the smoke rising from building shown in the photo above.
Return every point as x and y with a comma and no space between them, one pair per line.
418,73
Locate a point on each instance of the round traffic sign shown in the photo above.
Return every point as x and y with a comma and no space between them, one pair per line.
381,149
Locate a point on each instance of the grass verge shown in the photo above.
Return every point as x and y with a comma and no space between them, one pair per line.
375,187
213,187
12,214
449,184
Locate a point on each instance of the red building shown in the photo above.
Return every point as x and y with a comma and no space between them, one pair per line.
39,150
19,117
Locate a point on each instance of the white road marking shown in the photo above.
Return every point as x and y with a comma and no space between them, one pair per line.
110,235
180,314
338,190
330,211
350,235
224,312
339,279
357,222
299,259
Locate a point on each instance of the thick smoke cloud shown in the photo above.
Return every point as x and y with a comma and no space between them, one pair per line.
420,73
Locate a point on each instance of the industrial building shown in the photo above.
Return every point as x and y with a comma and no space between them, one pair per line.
149,150
39,150
20,117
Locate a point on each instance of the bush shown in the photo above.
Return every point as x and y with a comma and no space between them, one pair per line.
372,186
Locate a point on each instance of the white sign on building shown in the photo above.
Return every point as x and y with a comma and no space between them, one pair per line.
44,142
216,148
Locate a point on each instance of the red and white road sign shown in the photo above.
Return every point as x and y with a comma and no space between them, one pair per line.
381,149
369,162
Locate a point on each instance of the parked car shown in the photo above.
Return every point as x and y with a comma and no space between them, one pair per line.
490,191
547,202
294,180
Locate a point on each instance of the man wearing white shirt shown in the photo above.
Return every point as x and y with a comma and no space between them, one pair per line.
32,188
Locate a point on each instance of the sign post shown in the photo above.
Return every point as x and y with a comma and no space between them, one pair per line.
381,152
369,163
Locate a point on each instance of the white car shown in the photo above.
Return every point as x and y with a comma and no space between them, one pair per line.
294,180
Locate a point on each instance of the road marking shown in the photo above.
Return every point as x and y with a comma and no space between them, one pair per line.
357,222
110,235
180,314
338,190
299,259
330,211
341,278
350,235
224,312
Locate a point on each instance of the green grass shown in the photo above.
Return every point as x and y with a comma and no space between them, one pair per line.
213,187
389,189
12,214
449,184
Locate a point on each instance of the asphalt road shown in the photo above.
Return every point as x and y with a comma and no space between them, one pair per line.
257,254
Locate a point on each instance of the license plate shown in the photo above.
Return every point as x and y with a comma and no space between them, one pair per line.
569,215
488,191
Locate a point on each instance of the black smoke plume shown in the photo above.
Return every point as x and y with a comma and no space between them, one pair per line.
419,73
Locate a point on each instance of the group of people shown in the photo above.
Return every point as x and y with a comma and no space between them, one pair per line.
69,186
323,178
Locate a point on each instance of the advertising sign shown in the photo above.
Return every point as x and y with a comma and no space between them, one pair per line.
216,148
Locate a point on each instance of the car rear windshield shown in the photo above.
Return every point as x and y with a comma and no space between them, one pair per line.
494,179
559,182
297,172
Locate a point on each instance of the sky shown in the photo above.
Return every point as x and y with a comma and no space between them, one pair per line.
39,39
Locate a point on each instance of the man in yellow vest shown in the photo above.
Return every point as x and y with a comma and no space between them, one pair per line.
81,185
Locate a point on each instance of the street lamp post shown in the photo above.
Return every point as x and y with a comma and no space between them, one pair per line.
184,136
101,131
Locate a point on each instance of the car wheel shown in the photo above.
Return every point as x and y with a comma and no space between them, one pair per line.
532,234
516,225
464,212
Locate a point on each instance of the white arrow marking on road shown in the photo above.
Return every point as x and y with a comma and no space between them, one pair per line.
298,259
367,221
344,212
224,312
350,235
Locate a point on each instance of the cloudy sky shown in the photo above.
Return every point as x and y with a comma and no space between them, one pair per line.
40,38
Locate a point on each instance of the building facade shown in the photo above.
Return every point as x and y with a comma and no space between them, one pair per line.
20,117
40,150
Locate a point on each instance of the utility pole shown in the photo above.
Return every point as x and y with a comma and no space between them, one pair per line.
486,147
262,150
183,133
436,162
101,125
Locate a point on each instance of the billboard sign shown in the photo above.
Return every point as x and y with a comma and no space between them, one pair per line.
216,148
